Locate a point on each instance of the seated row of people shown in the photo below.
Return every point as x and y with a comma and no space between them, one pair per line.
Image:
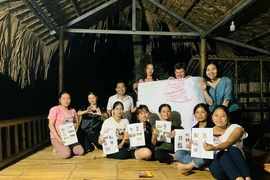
228,160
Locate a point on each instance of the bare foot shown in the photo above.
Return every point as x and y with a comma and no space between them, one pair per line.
248,178
99,155
206,169
180,166
54,151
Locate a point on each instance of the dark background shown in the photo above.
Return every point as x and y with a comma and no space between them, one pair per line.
84,71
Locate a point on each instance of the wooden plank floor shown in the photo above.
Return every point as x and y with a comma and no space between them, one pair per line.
44,165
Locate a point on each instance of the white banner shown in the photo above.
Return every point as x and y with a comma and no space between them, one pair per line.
181,94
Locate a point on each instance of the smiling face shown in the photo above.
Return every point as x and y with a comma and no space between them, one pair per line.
92,99
211,71
120,88
143,115
179,73
65,100
201,114
118,110
165,113
220,118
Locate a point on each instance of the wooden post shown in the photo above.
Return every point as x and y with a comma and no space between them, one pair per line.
202,55
61,60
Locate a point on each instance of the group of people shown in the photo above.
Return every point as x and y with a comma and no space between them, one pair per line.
220,113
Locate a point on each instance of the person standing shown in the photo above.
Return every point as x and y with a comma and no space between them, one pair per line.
148,76
121,96
179,71
91,122
58,116
219,90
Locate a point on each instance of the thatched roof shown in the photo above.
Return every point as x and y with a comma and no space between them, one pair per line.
30,28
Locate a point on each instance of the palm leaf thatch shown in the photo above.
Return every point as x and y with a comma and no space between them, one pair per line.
156,21
23,56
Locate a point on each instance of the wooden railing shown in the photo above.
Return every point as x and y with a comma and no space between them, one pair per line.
20,137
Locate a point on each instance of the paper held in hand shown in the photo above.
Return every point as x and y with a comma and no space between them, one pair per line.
110,145
181,139
198,136
68,134
163,127
136,135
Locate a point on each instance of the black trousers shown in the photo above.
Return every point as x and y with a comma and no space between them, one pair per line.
163,156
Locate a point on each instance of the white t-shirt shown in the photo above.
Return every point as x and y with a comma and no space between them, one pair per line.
227,133
127,102
118,128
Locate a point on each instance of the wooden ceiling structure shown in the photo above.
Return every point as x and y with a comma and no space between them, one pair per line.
38,23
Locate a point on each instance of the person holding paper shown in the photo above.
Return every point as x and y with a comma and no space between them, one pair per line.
186,162
148,76
143,152
163,150
58,116
118,125
91,122
179,71
229,160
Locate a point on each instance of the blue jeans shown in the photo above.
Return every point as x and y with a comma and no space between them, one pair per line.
229,164
184,156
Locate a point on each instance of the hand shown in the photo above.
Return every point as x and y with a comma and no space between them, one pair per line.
155,133
60,141
226,103
137,103
189,144
98,112
171,134
171,78
202,85
208,147
120,145
101,140
135,86
75,125
88,110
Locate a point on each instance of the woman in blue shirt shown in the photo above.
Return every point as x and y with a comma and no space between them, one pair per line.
219,90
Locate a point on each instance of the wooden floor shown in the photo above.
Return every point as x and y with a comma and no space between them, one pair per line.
44,165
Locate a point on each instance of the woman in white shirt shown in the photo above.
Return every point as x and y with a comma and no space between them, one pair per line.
229,160
118,125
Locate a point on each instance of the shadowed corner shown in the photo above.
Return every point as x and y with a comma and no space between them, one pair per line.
176,116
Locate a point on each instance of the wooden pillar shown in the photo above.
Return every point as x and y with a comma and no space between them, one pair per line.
61,60
202,55
236,87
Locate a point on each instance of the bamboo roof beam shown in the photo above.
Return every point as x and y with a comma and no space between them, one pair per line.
75,7
177,17
35,8
242,45
228,17
266,33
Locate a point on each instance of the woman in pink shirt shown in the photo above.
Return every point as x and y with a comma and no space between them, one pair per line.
60,115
